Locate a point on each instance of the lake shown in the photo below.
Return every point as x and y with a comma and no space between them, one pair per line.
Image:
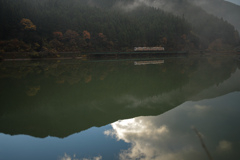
180,108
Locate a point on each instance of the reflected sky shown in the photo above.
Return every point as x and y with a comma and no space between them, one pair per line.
168,136
91,144
172,136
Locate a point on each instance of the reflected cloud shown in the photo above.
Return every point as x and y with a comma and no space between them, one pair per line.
197,110
126,129
94,158
68,157
170,136
224,146
135,102
149,140
200,107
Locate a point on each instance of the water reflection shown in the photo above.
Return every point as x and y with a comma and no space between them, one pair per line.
67,99
43,98
171,136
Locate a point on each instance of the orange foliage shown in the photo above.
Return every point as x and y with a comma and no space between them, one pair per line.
101,35
70,34
58,35
86,35
28,25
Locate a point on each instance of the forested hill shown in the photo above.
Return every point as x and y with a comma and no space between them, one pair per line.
109,25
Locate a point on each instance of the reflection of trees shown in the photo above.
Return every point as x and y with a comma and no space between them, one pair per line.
119,78
97,93
82,71
32,91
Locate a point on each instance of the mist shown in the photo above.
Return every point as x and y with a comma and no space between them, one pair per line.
129,6
228,10
192,9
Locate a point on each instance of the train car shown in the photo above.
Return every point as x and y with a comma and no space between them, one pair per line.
148,49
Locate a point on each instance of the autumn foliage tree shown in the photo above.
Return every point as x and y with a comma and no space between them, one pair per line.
71,35
27,24
86,35
58,35
102,36
14,45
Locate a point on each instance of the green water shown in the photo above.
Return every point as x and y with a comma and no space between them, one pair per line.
112,109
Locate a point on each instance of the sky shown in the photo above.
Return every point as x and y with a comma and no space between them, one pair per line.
234,1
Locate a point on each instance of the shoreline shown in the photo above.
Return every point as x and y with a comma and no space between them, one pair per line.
31,56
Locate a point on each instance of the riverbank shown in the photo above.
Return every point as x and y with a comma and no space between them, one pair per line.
27,56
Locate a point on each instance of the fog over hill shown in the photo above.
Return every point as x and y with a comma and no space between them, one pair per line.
222,9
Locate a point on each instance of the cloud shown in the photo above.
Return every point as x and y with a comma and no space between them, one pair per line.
224,146
137,3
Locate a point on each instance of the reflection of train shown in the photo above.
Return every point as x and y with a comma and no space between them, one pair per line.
148,62
148,49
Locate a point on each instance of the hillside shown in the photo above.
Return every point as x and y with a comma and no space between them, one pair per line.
109,25
206,26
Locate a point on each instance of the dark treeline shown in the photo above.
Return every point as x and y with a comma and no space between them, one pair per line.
82,25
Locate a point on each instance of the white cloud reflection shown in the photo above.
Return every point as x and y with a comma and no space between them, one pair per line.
69,157
170,136
224,146
149,139
126,129
148,102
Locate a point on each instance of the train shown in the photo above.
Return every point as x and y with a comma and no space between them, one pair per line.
148,49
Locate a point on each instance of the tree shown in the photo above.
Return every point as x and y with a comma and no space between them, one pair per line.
102,36
27,24
86,35
58,35
71,35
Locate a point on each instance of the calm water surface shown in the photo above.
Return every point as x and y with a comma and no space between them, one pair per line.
184,108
